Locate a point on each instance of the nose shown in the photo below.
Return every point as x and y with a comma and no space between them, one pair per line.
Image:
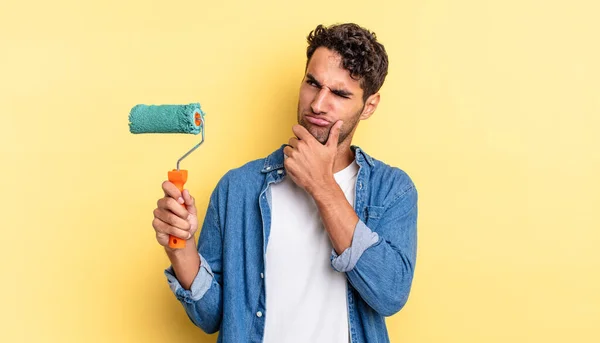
319,103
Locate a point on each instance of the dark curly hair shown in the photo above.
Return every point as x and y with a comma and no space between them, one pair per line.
362,55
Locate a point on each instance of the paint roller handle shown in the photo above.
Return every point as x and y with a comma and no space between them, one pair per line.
178,178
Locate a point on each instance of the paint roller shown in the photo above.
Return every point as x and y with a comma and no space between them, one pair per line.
170,119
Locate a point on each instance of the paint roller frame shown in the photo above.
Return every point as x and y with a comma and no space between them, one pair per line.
179,176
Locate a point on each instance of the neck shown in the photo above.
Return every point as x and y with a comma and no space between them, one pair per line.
344,157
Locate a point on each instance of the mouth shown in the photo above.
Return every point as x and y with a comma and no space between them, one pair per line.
317,121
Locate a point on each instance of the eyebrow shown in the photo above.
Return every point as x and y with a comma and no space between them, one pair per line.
341,92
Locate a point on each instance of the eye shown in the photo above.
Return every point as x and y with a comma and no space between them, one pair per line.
341,95
312,83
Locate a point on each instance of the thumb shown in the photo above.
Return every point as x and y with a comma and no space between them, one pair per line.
190,202
334,134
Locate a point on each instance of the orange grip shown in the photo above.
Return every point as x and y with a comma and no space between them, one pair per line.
178,178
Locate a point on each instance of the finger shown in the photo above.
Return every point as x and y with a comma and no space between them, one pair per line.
171,190
190,202
288,151
289,166
302,133
169,204
334,134
162,227
293,142
171,219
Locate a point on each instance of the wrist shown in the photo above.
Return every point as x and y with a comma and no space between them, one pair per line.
173,252
176,252
323,189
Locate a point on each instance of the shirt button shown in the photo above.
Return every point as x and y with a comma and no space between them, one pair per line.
280,172
259,314
262,276
268,168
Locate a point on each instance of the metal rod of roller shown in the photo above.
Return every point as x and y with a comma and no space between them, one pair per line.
195,147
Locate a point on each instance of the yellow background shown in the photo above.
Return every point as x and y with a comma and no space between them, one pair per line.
491,106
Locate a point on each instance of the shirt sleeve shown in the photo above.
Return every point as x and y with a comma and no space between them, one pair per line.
380,263
199,287
362,239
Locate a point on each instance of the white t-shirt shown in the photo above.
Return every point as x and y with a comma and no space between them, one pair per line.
305,296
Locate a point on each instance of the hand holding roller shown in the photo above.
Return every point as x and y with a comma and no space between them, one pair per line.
170,119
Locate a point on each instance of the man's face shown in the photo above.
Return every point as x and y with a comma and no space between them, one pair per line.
329,94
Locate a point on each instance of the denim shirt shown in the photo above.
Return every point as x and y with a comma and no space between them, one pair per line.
228,293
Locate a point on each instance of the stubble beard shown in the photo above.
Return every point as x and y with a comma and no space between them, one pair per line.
321,134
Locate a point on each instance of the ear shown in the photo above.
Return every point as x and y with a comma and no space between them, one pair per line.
370,106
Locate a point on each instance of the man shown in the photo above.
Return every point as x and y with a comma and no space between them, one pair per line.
316,242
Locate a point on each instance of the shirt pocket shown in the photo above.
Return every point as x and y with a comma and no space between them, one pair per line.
373,215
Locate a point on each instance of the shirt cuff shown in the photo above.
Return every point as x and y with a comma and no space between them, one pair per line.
362,239
199,286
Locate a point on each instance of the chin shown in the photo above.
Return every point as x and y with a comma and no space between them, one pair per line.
320,133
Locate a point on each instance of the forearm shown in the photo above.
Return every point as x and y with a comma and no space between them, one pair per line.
338,216
185,262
